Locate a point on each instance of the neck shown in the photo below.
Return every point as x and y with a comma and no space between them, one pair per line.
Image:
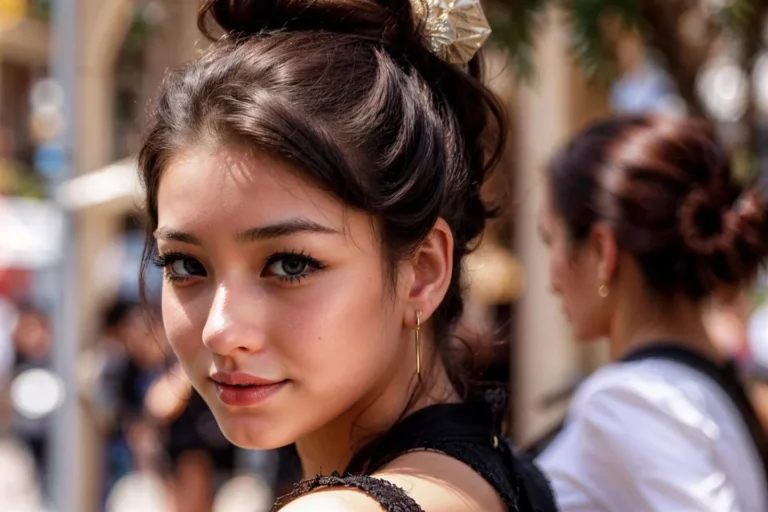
645,323
332,447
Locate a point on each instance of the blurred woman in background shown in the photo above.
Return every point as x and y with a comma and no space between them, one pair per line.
115,376
644,223
32,344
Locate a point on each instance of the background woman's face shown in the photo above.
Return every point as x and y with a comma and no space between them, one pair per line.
573,276
270,277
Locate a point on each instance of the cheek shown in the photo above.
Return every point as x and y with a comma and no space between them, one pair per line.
581,303
337,341
337,333
183,326
567,282
558,270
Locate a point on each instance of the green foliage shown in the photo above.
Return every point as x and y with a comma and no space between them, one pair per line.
138,33
514,25
586,19
736,14
40,9
516,22
16,179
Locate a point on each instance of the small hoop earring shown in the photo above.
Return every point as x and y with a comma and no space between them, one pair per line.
603,291
418,344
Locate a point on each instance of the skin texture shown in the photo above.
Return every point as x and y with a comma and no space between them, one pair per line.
267,274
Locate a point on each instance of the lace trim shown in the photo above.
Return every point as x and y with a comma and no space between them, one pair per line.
391,497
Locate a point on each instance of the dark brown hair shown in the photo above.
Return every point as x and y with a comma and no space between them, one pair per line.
347,93
665,187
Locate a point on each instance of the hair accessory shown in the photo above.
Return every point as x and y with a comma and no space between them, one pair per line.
454,30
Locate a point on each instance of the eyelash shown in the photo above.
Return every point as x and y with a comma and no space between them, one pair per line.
313,265
165,260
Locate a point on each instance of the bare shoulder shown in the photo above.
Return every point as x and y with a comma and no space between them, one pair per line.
334,500
436,482
439,483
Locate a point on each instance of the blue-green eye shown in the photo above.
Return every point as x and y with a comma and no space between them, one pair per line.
291,267
179,267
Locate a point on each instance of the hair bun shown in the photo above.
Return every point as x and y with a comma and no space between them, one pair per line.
707,227
730,243
387,22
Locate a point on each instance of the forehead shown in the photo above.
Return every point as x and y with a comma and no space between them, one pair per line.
204,187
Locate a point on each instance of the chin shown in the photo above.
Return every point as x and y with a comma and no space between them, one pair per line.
251,432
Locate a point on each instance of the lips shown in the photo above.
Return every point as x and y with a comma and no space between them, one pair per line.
240,379
244,390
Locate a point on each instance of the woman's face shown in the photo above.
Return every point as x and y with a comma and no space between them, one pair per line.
574,277
276,299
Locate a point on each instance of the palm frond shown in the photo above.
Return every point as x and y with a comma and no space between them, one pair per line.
586,19
515,23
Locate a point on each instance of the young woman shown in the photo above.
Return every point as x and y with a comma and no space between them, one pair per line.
644,223
312,184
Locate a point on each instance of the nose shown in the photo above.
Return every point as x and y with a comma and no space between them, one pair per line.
233,322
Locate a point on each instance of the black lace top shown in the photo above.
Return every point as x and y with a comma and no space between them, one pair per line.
466,432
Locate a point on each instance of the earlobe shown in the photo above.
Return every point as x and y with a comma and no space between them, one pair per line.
432,270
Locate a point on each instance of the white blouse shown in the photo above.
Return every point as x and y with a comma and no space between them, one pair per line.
654,435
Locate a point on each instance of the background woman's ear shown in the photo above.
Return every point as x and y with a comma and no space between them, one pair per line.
603,241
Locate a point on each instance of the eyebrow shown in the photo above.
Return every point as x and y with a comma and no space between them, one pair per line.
268,232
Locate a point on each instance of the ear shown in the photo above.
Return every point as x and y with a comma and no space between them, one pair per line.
432,267
604,244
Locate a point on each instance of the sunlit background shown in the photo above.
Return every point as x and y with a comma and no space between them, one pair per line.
91,410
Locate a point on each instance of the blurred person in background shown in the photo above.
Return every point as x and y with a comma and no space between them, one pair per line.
643,86
120,262
740,332
31,340
312,187
644,223
8,318
19,479
757,331
726,318
198,455
116,375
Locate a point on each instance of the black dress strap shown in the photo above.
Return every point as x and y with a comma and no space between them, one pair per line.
467,433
